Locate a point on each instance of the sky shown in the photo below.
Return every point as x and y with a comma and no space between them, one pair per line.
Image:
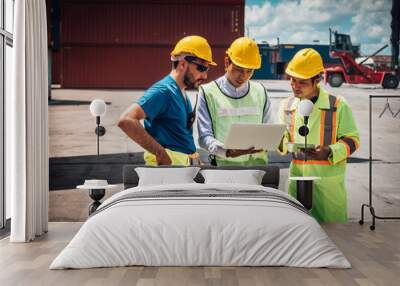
306,21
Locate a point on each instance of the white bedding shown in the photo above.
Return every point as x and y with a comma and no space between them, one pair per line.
186,230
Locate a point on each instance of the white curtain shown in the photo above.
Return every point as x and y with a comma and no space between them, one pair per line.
27,124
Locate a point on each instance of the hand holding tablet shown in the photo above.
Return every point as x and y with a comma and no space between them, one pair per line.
296,147
233,153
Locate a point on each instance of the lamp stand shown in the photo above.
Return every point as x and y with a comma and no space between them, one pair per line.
305,145
98,136
305,193
100,131
96,195
303,131
304,187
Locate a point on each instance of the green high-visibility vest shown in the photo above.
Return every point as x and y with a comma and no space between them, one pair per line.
331,123
225,110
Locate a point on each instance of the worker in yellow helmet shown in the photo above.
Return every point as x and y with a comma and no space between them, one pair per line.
233,98
168,116
331,129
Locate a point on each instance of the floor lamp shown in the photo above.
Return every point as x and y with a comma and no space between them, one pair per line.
304,185
97,109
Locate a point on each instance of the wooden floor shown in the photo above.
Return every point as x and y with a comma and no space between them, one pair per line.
374,255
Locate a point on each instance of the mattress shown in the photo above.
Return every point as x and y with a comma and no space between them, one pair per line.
201,225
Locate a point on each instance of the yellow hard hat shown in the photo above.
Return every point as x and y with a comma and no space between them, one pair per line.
244,53
194,45
305,64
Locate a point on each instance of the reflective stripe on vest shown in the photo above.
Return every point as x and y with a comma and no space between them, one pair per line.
290,118
328,123
327,133
239,111
350,143
310,162
225,110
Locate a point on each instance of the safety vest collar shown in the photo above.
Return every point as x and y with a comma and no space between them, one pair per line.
323,100
233,97
291,103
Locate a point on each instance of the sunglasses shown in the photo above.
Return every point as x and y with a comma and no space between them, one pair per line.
199,67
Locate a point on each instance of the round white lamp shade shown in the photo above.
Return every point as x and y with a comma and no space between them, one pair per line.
98,107
305,107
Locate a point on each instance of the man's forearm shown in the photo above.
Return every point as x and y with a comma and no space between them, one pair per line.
137,133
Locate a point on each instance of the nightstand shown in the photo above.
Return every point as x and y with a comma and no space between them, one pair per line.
97,190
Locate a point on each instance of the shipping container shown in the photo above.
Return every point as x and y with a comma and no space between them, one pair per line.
267,70
127,44
56,65
121,67
285,52
127,23
276,58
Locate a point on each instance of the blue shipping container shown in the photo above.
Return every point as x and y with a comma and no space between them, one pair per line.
267,70
276,58
287,51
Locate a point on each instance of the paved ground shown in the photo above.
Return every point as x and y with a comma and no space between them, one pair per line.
72,134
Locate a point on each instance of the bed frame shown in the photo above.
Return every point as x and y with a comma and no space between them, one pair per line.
270,179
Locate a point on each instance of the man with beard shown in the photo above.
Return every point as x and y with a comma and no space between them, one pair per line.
167,136
230,99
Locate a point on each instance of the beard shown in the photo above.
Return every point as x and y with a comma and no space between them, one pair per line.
190,81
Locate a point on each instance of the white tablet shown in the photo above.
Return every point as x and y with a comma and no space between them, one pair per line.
260,136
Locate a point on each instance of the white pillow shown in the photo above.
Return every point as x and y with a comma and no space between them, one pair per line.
164,176
248,177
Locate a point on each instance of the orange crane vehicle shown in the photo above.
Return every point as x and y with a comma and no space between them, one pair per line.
352,72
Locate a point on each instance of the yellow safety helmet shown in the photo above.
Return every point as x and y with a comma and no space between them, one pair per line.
194,45
244,53
305,64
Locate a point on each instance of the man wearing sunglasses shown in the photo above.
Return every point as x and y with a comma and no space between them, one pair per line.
167,136
233,98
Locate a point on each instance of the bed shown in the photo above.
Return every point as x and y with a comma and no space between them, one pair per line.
201,224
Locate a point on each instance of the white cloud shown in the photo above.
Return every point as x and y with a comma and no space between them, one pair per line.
375,31
256,14
371,24
303,21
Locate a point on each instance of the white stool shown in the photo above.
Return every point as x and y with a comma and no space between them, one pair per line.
97,190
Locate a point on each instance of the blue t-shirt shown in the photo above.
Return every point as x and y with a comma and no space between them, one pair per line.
167,114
